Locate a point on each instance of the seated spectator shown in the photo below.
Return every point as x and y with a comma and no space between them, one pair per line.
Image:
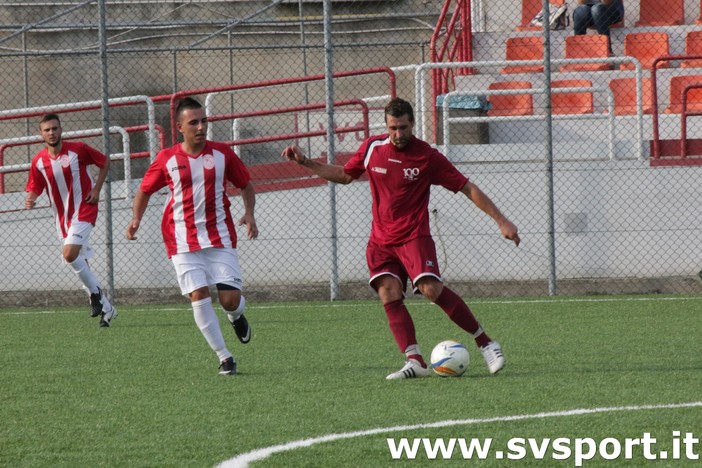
600,14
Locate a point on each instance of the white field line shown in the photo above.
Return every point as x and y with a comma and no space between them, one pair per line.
413,303
243,460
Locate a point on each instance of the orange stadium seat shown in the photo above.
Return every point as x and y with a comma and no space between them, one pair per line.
586,46
512,104
694,97
572,103
524,48
624,91
693,46
529,9
646,47
661,13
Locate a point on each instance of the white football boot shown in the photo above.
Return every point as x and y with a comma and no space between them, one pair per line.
411,370
492,352
109,312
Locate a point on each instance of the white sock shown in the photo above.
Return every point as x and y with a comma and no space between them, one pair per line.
235,314
413,349
81,268
206,319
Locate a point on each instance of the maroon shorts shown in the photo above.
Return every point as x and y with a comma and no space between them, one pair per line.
412,260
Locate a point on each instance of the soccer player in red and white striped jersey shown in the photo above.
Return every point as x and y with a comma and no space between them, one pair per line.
61,169
197,225
401,170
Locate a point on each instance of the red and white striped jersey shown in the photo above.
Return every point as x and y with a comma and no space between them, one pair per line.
400,183
67,182
196,215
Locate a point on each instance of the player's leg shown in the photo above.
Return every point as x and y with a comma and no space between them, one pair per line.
233,304
193,281
419,258
226,273
388,278
76,252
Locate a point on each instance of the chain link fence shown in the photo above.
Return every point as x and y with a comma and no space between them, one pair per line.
592,172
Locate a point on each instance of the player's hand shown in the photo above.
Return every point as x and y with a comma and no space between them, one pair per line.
293,153
29,203
509,231
93,196
132,228
250,223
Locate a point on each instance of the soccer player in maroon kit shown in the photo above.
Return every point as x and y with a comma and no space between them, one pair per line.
62,170
197,225
401,169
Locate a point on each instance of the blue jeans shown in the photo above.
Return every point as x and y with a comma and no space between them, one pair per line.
599,15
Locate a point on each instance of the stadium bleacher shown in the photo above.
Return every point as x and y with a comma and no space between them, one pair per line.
586,46
694,97
572,102
661,13
624,93
646,46
524,48
512,104
693,46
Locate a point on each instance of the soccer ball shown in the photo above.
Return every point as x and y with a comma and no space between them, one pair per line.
450,359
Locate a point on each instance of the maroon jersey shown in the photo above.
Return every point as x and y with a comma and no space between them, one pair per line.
67,182
400,183
196,215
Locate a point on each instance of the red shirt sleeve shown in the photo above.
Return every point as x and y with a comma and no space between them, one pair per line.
446,174
155,177
355,167
236,171
35,182
89,155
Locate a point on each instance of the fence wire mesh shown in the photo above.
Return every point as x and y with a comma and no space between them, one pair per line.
578,139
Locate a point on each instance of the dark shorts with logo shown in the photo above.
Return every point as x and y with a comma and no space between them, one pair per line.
412,260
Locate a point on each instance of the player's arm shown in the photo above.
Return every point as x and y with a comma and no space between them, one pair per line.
30,200
248,196
330,172
35,186
482,201
94,194
141,201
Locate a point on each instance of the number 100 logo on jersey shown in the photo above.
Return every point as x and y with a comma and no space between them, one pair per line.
411,173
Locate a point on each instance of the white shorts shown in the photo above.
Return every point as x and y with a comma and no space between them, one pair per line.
207,267
79,234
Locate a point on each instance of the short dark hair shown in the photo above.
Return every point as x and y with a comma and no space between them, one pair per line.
48,118
399,107
187,103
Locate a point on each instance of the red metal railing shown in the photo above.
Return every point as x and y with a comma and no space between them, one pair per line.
263,84
173,98
364,127
452,41
656,141
684,114
136,128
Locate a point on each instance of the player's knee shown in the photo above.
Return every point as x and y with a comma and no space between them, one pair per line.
430,289
199,294
70,256
230,300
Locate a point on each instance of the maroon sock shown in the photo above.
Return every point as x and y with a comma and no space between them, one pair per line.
458,311
401,324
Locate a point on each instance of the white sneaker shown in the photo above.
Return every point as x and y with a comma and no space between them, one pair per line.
108,315
492,352
412,369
